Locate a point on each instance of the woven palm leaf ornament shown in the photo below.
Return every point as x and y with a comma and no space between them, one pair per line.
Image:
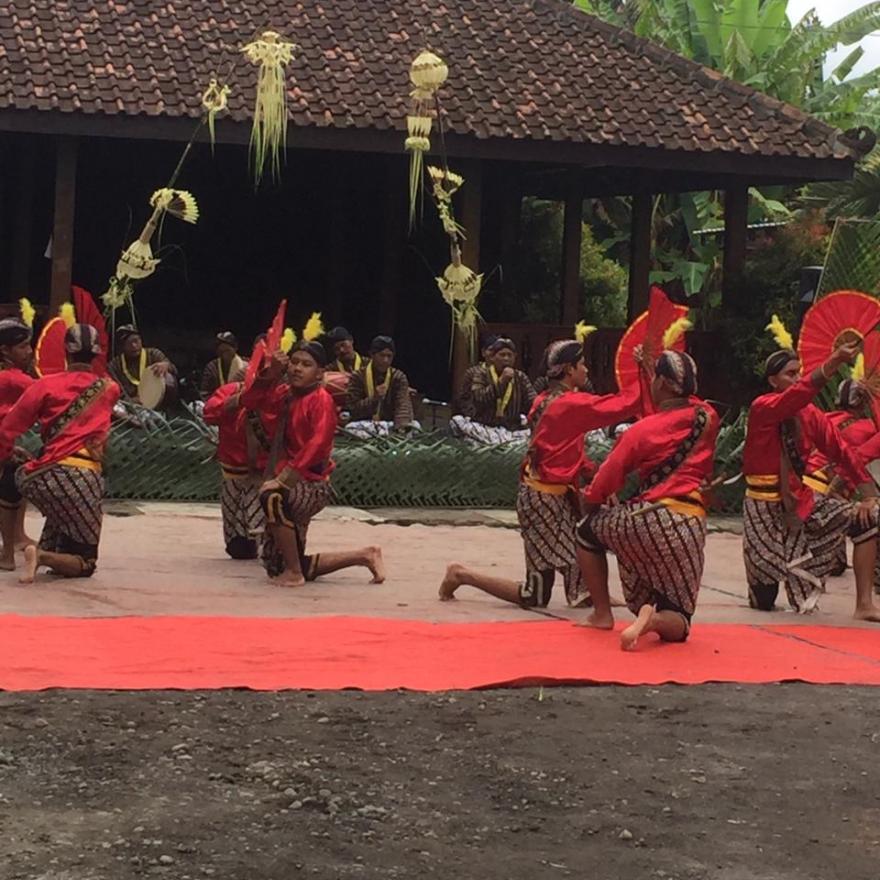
271,54
427,73
215,99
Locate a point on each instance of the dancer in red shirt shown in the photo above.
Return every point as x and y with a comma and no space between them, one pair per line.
65,481
553,471
790,532
16,355
299,466
659,535
243,452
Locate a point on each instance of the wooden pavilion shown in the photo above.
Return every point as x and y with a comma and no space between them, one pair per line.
97,98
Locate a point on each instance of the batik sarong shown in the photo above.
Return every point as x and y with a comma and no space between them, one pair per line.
485,435
70,500
365,429
293,508
800,557
243,518
660,553
548,522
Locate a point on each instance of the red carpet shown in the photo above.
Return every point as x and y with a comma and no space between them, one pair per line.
332,653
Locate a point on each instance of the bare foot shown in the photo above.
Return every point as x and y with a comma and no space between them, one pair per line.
597,621
22,541
451,582
871,614
289,579
629,637
376,564
31,559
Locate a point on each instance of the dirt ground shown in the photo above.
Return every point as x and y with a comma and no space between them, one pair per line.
721,782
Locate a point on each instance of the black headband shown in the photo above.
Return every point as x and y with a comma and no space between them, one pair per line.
679,370
778,361
560,354
13,331
382,343
315,349
500,343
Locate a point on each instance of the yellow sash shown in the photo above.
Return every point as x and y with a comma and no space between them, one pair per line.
689,505
818,482
502,402
341,368
142,366
763,487
371,386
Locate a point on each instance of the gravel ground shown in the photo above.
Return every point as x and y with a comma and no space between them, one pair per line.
727,782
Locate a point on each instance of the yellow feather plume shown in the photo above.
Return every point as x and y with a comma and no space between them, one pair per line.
675,331
314,327
780,334
288,339
28,312
858,369
67,314
582,330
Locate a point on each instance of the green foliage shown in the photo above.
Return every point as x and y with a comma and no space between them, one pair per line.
859,197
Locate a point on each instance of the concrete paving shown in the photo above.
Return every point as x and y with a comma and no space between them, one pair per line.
160,559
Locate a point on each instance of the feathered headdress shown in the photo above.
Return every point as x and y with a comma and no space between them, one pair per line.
780,334
288,339
675,331
314,327
67,314
28,312
858,368
582,330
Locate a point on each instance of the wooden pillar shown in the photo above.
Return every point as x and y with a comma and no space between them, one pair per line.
571,250
639,254
22,224
62,226
471,204
736,220
394,243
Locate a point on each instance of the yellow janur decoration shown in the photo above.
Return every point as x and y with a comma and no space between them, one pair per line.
460,287
28,312
288,339
215,99
675,331
314,327
269,128
780,334
67,314
444,185
177,202
582,330
427,73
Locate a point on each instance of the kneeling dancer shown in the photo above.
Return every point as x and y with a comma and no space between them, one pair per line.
298,473
73,409
547,504
790,533
658,535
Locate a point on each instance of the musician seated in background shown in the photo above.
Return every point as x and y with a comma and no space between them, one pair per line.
217,372
379,399
346,359
134,360
502,397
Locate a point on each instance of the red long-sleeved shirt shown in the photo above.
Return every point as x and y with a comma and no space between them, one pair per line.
763,449
556,453
232,448
45,401
651,442
13,383
854,434
311,425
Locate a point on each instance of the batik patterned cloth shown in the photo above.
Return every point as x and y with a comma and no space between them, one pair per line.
243,517
70,498
548,523
366,430
660,553
485,435
293,508
800,557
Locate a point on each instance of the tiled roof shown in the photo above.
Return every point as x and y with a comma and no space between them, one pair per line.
533,70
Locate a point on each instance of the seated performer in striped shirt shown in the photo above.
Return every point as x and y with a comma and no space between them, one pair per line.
65,483
658,535
790,532
554,468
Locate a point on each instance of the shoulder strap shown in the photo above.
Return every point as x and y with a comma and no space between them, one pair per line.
665,470
82,403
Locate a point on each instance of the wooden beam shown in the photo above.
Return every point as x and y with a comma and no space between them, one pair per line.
736,220
23,224
572,233
471,219
62,226
639,254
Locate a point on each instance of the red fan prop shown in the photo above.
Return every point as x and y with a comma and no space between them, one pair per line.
870,377
840,317
647,330
49,353
254,364
276,331
88,313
